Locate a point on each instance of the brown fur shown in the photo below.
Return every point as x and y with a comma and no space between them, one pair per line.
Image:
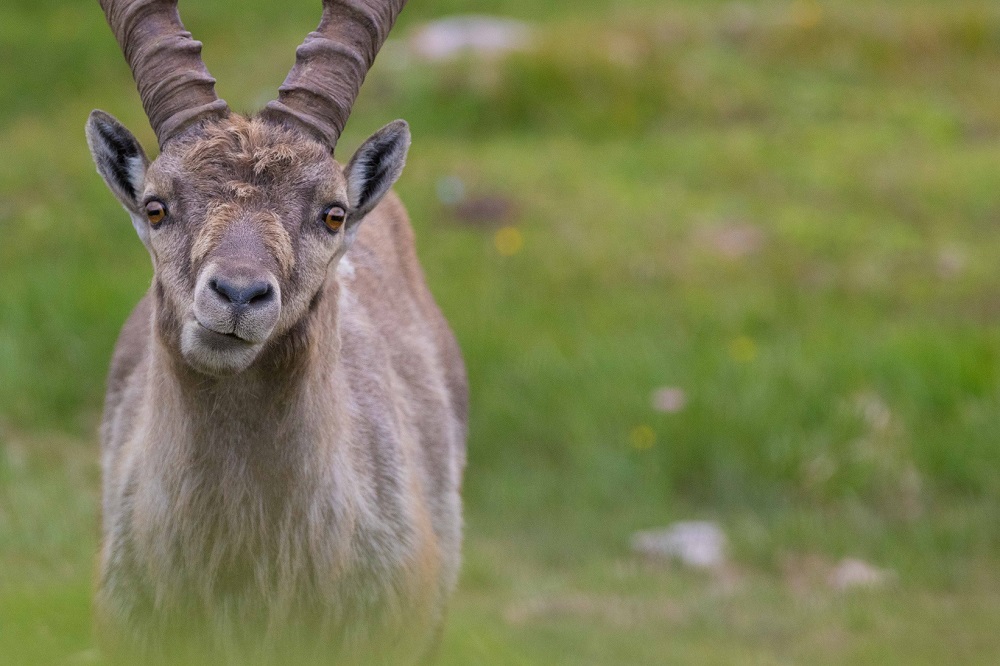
221,219
306,508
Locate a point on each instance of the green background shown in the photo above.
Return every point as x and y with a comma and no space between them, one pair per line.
789,211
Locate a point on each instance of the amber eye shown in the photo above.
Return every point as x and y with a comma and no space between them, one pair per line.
156,212
333,217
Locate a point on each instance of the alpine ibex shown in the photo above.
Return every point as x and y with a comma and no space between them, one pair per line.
284,428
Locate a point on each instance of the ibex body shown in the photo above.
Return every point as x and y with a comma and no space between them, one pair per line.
284,428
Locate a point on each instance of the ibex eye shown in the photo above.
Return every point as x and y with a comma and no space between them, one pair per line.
156,212
333,217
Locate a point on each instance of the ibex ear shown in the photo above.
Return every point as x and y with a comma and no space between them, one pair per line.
375,167
119,158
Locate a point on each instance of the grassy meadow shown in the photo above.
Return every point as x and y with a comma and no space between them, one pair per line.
786,214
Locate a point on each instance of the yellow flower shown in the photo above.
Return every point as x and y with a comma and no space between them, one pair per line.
508,241
743,349
806,14
642,437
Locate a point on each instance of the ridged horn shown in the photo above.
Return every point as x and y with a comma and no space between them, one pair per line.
174,84
331,65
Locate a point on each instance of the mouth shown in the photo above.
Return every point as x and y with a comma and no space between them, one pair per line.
215,353
220,341
210,334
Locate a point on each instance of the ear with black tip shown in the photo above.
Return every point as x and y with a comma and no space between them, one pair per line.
374,168
119,158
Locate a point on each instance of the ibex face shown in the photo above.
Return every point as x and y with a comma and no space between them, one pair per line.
243,220
243,217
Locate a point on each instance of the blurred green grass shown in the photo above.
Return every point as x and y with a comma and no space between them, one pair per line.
788,210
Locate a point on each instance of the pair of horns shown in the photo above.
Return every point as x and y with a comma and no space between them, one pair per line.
177,90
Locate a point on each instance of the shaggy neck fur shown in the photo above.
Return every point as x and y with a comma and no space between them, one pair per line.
255,515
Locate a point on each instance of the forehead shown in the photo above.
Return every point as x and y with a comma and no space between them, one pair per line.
240,158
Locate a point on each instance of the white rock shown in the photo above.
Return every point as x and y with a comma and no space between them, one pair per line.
490,36
696,543
853,573
669,399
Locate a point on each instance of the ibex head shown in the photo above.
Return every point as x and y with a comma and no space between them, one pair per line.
243,217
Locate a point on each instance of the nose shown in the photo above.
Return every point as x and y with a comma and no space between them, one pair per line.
239,293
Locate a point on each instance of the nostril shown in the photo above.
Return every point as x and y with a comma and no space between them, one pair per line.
260,293
224,289
221,288
254,293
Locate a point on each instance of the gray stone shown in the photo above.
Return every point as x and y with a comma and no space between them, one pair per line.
851,573
696,543
477,35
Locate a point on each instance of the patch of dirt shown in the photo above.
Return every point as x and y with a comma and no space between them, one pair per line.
732,241
808,574
487,210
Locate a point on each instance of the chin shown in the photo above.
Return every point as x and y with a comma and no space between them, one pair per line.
216,354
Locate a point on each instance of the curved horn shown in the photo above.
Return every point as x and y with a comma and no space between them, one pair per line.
331,65
174,84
